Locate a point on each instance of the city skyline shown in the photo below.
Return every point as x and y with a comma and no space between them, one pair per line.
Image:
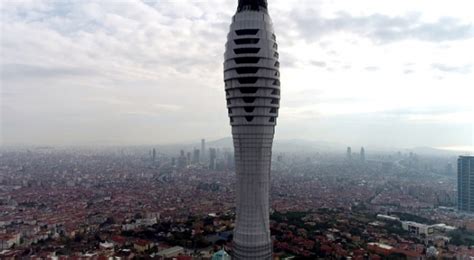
89,73
133,204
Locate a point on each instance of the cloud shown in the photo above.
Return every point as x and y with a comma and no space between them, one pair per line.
148,71
109,101
103,60
382,29
434,114
319,63
23,71
167,107
446,118
371,68
457,69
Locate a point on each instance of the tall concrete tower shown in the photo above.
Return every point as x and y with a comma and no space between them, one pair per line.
252,86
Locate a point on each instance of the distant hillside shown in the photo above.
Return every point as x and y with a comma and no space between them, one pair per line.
225,142
433,151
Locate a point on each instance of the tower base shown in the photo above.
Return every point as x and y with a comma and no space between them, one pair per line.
244,252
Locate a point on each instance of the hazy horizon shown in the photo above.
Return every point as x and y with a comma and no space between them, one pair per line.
280,145
369,73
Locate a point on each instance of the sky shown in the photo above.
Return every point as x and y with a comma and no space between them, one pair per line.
374,73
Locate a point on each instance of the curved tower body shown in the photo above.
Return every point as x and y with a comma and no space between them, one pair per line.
252,85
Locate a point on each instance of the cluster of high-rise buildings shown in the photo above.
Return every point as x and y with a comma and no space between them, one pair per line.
212,158
465,178
349,154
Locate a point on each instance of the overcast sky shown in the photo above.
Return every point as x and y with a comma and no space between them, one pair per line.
374,73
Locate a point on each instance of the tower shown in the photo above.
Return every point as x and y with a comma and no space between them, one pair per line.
203,150
182,161
196,158
212,158
252,86
188,158
466,183
349,153
362,154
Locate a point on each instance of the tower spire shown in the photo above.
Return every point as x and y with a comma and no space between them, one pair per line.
253,5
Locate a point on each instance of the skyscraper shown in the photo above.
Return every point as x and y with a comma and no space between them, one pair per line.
173,161
252,86
362,154
203,150
182,161
196,154
188,158
349,153
212,158
466,183
229,160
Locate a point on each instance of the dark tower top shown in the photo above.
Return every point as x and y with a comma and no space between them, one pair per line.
253,5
